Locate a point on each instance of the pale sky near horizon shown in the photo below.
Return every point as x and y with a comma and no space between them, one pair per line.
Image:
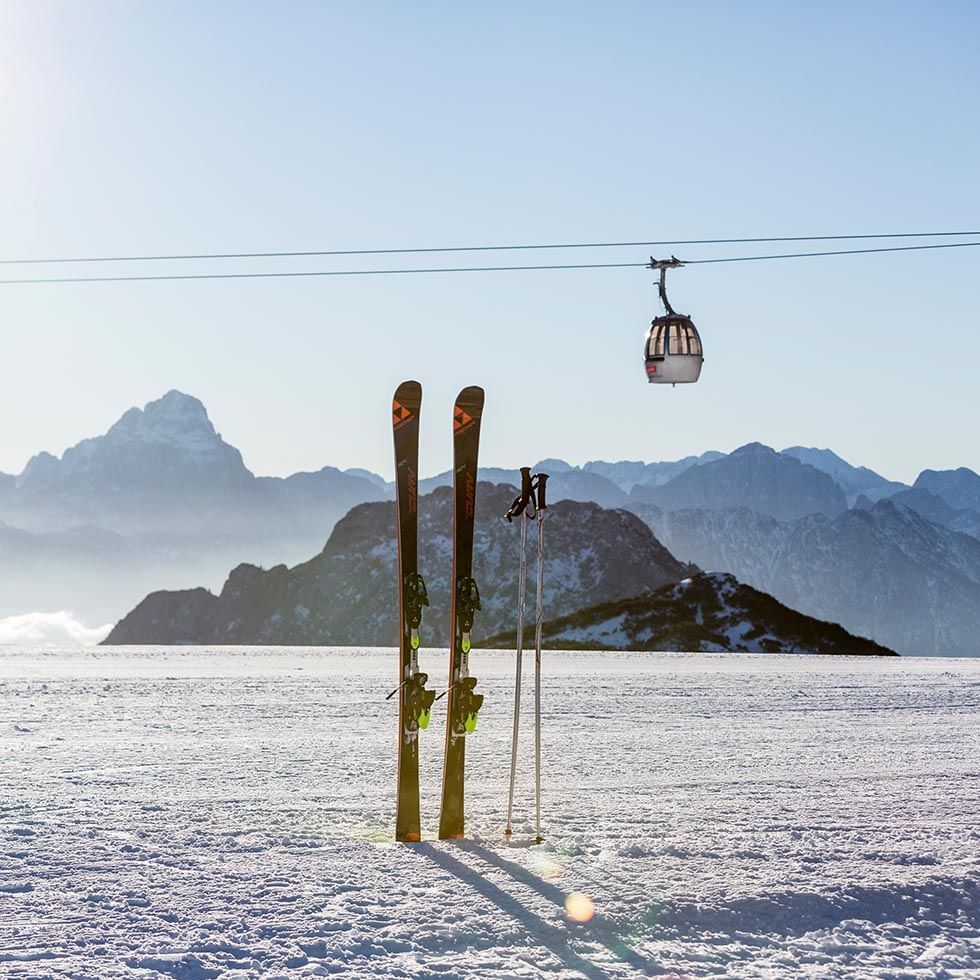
139,128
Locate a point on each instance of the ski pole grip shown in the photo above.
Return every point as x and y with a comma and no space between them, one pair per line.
542,483
526,490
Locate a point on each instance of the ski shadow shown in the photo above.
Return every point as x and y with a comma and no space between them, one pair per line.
554,938
600,928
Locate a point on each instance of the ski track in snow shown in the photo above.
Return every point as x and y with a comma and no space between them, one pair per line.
201,813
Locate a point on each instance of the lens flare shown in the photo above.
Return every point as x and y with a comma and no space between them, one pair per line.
579,907
544,865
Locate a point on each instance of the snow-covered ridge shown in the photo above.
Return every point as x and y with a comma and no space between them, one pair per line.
708,613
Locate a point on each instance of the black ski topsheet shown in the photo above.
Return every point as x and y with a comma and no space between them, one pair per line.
405,409
466,441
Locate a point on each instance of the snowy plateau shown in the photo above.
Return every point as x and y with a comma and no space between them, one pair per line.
200,812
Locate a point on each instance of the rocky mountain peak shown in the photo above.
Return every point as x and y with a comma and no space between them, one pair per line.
551,466
167,436
753,476
39,468
177,419
960,488
754,448
855,481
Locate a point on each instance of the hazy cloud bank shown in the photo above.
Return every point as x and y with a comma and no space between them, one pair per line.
50,629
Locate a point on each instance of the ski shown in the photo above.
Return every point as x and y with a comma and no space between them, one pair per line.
464,703
415,702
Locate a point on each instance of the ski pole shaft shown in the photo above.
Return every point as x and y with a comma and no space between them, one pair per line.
442,694
396,690
521,595
538,622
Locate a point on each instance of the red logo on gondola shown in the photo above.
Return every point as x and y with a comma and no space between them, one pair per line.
651,369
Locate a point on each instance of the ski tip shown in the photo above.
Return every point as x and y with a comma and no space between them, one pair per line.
471,398
468,410
406,402
408,392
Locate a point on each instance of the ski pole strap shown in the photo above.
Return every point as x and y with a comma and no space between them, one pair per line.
418,681
416,597
525,497
540,483
467,603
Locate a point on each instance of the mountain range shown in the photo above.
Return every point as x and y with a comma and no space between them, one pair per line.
162,502
344,594
884,572
610,584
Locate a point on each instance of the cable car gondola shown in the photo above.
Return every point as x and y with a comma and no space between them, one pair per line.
673,350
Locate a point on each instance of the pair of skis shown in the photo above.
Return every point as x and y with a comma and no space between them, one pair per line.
415,701
530,505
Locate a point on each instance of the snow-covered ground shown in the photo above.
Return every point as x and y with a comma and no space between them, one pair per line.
195,813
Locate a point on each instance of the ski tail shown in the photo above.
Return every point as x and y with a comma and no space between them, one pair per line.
463,702
405,410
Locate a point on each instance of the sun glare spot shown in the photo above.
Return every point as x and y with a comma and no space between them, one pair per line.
579,907
545,866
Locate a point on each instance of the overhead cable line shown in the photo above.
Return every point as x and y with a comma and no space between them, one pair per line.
848,251
331,272
483,268
323,253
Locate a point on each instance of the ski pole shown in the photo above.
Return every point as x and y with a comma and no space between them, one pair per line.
519,507
442,694
396,690
542,509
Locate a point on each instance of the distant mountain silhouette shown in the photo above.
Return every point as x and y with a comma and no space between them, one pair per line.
853,480
163,501
566,483
628,473
347,594
960,488
884,572
936,509
753,476
165,467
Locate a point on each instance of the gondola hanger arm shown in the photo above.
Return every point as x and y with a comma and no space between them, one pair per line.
663,265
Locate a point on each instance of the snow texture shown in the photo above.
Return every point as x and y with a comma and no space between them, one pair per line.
202,813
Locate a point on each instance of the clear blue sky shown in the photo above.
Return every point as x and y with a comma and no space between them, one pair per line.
213,126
